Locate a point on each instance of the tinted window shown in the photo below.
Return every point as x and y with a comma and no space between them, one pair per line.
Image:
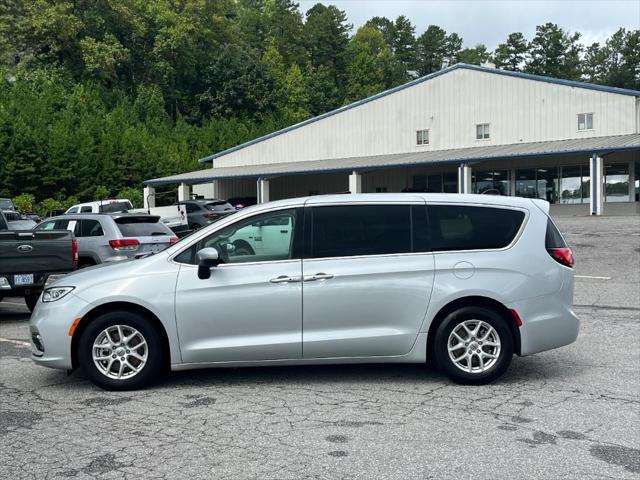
73,210
192,207
420,229
3,223
85,209
553,239
142,227
90,228
115,207
454,227
344,231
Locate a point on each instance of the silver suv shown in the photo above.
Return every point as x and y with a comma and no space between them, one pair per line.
464,281
113,237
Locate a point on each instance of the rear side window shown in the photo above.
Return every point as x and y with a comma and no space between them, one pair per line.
456,227
90,228
115,207
345,231
85,209
142,227
553,238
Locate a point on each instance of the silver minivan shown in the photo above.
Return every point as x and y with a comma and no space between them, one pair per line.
461,281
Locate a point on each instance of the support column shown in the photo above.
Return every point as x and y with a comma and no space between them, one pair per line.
149,197
215,193
512,182
355,182
632,180
596,197
464,178
183,192
263,190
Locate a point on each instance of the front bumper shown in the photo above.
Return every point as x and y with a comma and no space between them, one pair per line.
49,325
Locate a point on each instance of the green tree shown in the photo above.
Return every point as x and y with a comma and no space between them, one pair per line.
24,202
511,55
477,55
404,43
555,53
370,64
327,33
431,49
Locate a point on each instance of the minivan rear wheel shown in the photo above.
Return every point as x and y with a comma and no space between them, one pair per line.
121,351
473,345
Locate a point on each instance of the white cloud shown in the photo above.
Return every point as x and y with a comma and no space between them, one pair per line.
490,21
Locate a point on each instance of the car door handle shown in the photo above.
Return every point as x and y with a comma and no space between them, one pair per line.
285,279
317,276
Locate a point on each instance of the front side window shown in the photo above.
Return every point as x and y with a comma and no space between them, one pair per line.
585,121
482,131
351,230
422,137
265,237
461,227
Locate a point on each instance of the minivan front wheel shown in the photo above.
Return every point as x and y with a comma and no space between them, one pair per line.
473,345
121,351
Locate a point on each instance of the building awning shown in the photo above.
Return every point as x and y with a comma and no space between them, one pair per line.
587,146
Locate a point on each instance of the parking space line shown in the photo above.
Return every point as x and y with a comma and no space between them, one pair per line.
14,303
15,342
592,276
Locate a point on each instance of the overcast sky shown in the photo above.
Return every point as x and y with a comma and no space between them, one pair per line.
490,21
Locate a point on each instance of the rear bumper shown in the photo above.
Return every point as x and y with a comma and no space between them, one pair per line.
545,325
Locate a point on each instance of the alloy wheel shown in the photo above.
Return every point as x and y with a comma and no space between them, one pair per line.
120,352
474,346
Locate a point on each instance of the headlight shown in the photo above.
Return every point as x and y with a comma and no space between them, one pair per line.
54,294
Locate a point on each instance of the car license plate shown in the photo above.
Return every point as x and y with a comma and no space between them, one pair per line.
25,279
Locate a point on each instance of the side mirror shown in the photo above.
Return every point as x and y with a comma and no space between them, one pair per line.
207,258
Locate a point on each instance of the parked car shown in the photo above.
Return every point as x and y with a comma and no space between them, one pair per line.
173,216
242,202
17,221
464,281
7,204
113,237
203,212
102,206
29,260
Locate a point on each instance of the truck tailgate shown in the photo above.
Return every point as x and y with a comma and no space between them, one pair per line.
33,251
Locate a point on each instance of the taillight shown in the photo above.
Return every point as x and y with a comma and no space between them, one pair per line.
173,240
74,250
124,244
210,215
563,256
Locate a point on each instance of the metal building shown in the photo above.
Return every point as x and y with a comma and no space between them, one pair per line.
465,129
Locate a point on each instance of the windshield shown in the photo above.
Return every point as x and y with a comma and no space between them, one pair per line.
115,207
6,204
142,227
219,205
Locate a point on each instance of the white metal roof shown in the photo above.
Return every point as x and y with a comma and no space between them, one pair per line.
598,145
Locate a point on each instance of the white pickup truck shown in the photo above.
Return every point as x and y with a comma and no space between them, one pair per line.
173,216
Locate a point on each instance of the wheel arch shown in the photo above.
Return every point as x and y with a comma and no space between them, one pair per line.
113,307
473,301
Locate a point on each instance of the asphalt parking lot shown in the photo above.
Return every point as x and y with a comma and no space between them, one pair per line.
569,413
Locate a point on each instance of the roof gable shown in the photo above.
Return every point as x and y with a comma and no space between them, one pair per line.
525,76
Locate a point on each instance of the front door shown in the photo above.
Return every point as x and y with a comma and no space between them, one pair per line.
368,276
251,307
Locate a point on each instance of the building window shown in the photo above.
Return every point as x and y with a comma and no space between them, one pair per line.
585,121
437,183
422,137
482,131
496,183
616,182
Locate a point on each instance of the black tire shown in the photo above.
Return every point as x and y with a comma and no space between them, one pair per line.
151,370
449,367
31,300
